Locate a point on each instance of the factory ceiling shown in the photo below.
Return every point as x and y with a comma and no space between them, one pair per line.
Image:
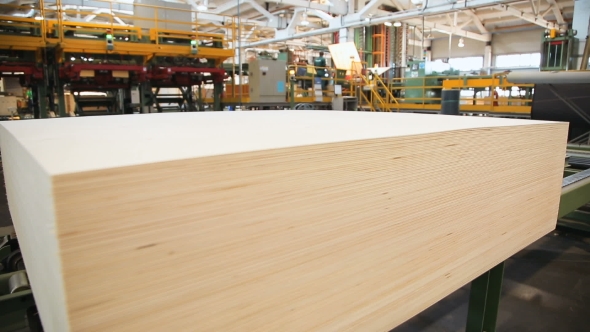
295,23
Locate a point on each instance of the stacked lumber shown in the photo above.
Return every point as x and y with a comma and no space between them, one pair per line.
271,221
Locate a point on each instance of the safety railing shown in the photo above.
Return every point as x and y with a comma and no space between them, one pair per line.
493,94
372,91
306,77
23,29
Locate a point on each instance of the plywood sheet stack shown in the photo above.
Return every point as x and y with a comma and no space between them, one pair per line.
271,221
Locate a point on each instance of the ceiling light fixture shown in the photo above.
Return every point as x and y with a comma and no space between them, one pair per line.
397,24
201,7
304,20
387,24
39,18
461,42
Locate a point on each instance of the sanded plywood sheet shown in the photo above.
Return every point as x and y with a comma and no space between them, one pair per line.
268,221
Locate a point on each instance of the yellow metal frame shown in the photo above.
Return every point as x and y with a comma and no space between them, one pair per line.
91,27
53,33
21,43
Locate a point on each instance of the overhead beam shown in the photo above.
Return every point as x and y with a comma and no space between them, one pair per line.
534,7
547,11
449,19
370,7
338,7
476,20
556,11
262,11
397,5
452,30
536,19
466,23
225,7
355,21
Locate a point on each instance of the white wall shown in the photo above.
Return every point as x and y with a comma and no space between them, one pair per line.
528,41
416,51
440,48
12,85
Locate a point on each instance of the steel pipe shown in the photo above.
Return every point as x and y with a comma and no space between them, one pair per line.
546,77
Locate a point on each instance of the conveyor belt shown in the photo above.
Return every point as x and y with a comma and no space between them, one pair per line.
579,162
580,176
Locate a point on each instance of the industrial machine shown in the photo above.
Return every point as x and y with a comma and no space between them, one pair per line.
120,59
267,81
556,50
423,83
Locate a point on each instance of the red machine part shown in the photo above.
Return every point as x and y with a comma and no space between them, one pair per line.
184,76
103,77
27,72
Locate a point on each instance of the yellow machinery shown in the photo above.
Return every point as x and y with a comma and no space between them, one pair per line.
116,53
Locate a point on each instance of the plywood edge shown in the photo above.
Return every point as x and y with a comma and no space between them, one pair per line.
62,145
29,190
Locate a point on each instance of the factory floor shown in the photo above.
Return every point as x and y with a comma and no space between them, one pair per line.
546,288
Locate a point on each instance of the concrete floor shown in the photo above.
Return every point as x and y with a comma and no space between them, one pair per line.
546,288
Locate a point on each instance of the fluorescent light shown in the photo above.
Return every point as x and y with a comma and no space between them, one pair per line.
39,18
397,24
461,42
387,24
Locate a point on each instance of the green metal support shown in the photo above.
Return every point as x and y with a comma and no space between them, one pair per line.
369,45
217,91
574,195
484,300
579,220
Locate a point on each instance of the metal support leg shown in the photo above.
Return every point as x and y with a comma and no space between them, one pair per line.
42,100
217,91
292,94
200,101
158,107
484,300
61,100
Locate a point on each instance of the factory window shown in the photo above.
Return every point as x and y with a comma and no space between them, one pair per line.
518,60
467,64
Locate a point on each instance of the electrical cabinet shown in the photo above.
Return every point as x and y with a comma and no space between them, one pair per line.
267,80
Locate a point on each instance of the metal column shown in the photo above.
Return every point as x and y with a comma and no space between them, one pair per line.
61,100
41,96
484,300
217,91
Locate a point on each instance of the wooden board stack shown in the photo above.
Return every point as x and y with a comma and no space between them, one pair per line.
271,221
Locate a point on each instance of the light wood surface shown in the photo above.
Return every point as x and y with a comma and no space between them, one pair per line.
271,221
